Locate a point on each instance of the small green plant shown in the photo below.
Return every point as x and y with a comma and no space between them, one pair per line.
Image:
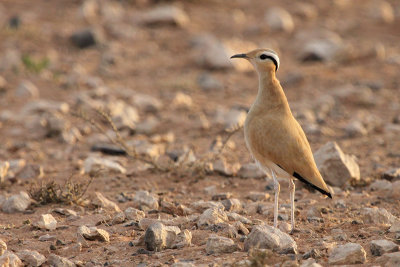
33,65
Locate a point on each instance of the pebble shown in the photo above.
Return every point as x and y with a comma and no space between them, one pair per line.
380,247
93,164
336,167
57,261
221,196
145,199
46,221
83,38
3,247
93,234
47,237
250,170
165,15
118,218
350,253
392,174
105,203
134,214
233,216
17,203
395,227
219,244
31,257
212,216
278,19
158,236
182,100
124,116
26,89
10,259
339,235
377,215
265,236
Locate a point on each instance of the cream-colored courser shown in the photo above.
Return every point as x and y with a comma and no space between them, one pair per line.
273,136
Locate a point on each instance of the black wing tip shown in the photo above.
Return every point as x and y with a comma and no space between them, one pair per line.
298,176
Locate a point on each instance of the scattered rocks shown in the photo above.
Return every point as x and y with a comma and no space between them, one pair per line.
350,253
250,170
380,247
278,19
17,203
106,204
145,199
57,261
165,15
26,90
134,214
392,174
83,38
93,234
219,244
377,216
93,164
31,257
159,237
336,167
265,236
212,216
47,222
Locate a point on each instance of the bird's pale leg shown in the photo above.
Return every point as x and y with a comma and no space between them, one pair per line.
292,188
277,190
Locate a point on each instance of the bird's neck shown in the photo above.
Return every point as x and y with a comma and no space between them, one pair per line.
270,93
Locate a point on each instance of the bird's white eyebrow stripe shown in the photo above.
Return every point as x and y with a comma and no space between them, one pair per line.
274,56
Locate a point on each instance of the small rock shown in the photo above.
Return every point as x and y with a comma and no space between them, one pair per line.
258,196
395,227
106,204
350,253
146,103
278,19
47,237
17,203
134,214
83,38
355,129
377,216
123,115
339,235
241,228
202,205
392,174
319,46
381,185
250,170
47,221
232,204
4,166
10,259
31,257
57,261
239,218
118,218
335,166
30,171
3,247
382,10
159,236
144,198
212,216
44,106
94,164
231,119
265,236
184,239
221,167
182,100
380,247
209,83
148,126
27,89
313,253
165,15
306,10
219,244
221,196
389,259
93,234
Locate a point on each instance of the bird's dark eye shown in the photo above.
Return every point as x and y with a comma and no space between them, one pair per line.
263,56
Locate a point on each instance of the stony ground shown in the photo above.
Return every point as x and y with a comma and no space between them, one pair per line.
160,69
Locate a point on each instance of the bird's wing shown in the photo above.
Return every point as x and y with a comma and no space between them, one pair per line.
280,139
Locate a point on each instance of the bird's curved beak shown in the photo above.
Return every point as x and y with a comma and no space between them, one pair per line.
240,56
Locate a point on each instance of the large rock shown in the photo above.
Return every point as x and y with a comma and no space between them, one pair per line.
57,261
380,247
17,203
31,257
220,244
350,253
265,236
10,259
212,216
159,236
377,215
47,222
336,167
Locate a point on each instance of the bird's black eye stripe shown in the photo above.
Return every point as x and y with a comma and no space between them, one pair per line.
263,56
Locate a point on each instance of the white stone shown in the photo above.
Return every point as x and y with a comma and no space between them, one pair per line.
380,247
350,253
57,261
250,170
10,259
336,167
123,115
134,214
93,233
212,216
278,19
165,15
265,236
31,257
377,215
47,221
94,164
219,244
105,203
182,100
17,203
144,198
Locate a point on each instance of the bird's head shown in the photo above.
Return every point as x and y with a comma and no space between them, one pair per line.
263,60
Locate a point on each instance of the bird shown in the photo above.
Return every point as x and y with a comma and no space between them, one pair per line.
273,136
